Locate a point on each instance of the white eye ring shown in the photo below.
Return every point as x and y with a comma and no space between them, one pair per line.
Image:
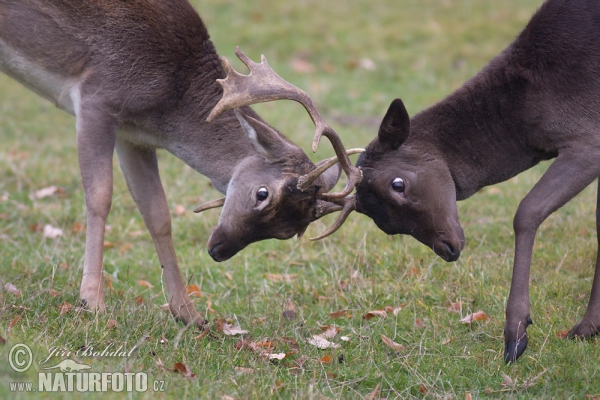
398,185
262,194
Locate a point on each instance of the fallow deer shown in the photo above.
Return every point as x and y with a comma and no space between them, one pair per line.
537,100
141,75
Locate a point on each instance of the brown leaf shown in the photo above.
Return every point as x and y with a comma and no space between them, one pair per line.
2,340
145,284
391,344
65,308
202,335
375,313
455,307
445,342
478,316
194,290
289,314
112,324
180,368
77,227
330,331
139,299
231,330
321,343
10,288
288,278
108,245
508,381
45,192
562,334
339,314
318,296
422,389
13,322
374,393
419,324
326,359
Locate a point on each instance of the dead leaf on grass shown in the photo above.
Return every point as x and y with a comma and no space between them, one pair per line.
478,316
244,370
374,394
321,343
145,284
419,324
13,322
10,288
562,334
340,314
112,324
180,368
2,340
232,330
179,210
391,344
375,313
51,232
194,290
327,359
45,192
455,307
65,308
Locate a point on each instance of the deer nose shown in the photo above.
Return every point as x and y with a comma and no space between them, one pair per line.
452,253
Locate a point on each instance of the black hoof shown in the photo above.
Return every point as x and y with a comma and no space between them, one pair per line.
514,349
84,304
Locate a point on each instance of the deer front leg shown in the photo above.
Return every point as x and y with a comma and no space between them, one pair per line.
96,132
140,168
566,177
590,323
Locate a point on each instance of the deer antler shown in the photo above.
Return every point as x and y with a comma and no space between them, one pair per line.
347,205
262,85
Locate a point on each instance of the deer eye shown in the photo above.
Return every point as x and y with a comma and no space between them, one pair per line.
398,185
262,194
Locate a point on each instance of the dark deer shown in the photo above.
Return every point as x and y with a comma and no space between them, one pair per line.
539,99
142,74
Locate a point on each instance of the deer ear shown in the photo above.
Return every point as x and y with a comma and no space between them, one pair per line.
265,140
395,126
331,176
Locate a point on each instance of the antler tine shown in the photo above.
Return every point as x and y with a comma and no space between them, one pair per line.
349,205
263,84
210,204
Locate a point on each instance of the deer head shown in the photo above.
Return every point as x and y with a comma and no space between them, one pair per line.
407,191
278,192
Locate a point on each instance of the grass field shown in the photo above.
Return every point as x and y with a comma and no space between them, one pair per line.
353,57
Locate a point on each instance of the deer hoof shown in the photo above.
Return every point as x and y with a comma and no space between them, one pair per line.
513,349
93,306
584,329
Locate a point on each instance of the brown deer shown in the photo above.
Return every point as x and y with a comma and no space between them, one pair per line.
141,75
535,101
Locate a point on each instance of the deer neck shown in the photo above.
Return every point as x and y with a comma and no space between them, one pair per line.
481,131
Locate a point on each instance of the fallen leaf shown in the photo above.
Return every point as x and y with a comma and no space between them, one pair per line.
326,359
65,308
478,316
339,314
78,227
108,245
288,278
290,309
391,344
182,369
51,232
139,299
194,290
330,331
112,324
136,233
125,248
322,343
45,192
455,307
422,389
374,313
445,342
318,296
468,396
367,64
202,335
345,338
419,324
145,284
277,356
374,393
231,330
563,334
289,314
225,397
2,340
13,322
165,307
10,288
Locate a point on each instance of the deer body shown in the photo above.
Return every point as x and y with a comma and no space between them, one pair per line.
539,99
140,75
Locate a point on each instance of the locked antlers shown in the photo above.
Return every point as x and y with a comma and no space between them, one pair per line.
262,85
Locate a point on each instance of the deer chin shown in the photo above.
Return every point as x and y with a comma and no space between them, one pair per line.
447,247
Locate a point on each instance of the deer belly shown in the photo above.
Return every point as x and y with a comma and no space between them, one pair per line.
49,85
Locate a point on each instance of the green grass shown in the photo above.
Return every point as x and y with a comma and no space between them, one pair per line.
422,51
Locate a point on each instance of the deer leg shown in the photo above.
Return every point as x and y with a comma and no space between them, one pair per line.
564,179
590,323
96,132
140,168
